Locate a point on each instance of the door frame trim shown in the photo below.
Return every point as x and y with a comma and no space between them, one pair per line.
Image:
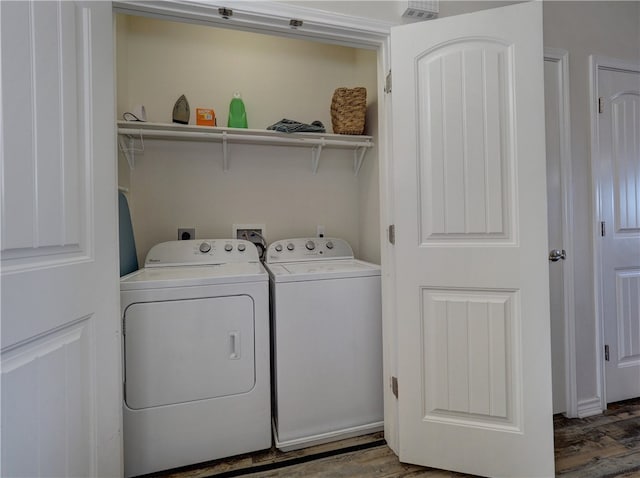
267,17
596,63
561,57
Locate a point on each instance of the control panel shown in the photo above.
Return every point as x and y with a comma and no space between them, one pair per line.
201,252
308,249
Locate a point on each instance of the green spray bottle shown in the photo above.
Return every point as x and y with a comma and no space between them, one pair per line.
237,113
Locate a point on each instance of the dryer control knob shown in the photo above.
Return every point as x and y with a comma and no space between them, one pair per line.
290,246
310,245
278,248
228,247
329,245
205,247
241,247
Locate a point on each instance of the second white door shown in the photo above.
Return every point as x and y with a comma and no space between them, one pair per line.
474,369
617,170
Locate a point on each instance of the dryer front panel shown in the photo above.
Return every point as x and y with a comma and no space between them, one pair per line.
186,350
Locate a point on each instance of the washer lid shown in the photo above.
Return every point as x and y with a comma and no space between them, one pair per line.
320,270
181,276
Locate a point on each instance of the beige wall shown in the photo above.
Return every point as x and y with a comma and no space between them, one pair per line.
182,184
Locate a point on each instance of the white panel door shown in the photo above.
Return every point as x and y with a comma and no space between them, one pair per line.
471,243
618,177
61,379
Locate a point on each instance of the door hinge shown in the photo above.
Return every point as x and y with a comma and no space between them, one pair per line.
606,353
392,234
603,229
601,105
387,83
394,386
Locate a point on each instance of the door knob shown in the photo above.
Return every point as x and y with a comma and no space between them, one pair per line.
556,254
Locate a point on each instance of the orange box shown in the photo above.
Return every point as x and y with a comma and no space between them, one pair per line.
205,117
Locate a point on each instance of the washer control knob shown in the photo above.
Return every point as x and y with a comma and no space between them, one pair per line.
290,246
310,245
228,247
329,245
205,247
278,248
241,247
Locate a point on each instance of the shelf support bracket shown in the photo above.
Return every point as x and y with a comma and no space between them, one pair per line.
225,152
358,157
316,151
128,149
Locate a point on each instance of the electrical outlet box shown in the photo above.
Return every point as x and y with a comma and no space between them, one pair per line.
252,232
249,232
186,233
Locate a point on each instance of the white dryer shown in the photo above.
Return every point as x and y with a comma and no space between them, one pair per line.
326,330
196,355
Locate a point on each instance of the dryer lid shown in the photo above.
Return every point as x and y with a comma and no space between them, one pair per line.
183,276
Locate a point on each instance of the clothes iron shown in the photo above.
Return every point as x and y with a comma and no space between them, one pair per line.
181,111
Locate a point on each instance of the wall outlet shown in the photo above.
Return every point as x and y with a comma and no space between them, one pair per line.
186,233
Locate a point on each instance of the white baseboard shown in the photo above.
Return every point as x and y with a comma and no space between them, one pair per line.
589,407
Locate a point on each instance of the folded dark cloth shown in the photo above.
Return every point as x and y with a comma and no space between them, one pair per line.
291,126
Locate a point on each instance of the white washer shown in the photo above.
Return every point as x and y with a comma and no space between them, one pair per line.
326,330
196,355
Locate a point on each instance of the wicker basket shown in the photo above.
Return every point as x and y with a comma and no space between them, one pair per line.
348,109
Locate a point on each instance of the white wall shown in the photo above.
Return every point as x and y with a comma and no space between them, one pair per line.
180,184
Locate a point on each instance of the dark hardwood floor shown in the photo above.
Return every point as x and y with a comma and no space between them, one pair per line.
604,446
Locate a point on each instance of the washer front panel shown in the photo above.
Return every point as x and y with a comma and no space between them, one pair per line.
328,357
186,350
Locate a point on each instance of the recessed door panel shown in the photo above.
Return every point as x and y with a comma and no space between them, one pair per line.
474,383
186,350
466,136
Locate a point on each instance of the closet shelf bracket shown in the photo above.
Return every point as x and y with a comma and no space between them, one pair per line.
358,157
225,152
316,151
126,145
